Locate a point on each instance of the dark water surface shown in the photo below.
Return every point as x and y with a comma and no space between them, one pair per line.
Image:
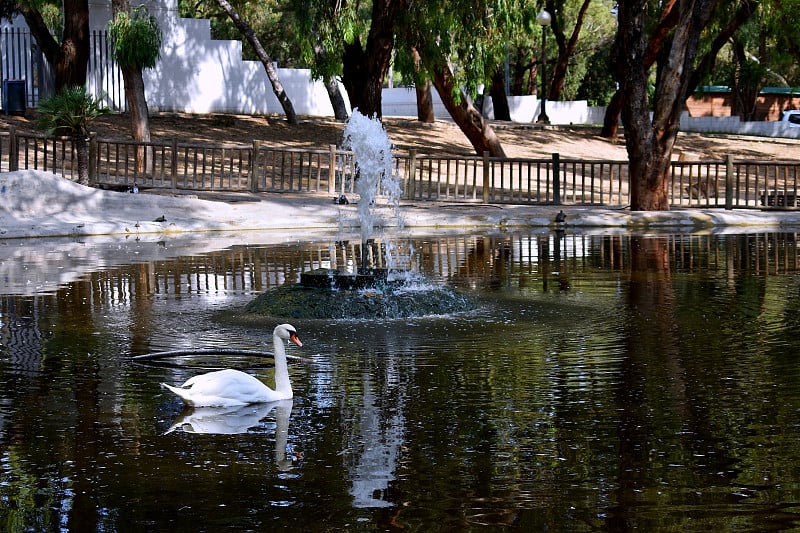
603,383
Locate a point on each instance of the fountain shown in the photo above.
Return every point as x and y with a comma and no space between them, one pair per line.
374,174
375,289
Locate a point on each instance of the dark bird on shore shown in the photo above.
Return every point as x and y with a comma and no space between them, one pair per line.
561,217
162,218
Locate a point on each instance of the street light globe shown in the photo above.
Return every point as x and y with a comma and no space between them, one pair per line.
544,18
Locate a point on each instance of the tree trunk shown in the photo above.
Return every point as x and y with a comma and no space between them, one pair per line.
335,95
74,54
331,86
81,144
363,87
478,131
365,68
137,103
566,48
425,112
422,86
139,117
266,61
649,143
611,118
71,57
655,43
499,97
648,191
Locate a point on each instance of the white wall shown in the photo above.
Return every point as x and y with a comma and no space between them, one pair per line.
734,125
402,102
197,74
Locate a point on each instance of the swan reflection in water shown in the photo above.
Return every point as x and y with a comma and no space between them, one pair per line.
239,419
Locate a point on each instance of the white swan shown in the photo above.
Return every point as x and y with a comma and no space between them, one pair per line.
227,388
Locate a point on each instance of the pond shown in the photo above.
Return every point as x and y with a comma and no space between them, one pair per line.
602,382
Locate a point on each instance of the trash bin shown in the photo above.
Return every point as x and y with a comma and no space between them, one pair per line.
14,102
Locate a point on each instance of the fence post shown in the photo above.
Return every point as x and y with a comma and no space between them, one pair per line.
332,170
92,159
729,182
13,149
412,173
174,163
486,177
254,166
556,179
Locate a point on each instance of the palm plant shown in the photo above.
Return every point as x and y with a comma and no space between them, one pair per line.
69,112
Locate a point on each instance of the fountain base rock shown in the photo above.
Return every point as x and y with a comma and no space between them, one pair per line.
327,294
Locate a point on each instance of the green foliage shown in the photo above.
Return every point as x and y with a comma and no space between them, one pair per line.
598,85
51,14
136,38
767,40
277,24
69,112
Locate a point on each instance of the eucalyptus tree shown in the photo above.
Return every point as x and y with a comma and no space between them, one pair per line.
649,141
579,27
725,23
459,46
367,49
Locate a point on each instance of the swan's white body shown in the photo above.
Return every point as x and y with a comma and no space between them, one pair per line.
229,388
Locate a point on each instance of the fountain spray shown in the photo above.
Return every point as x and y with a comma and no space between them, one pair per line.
372,153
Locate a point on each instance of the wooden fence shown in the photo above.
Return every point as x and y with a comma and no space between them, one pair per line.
258,167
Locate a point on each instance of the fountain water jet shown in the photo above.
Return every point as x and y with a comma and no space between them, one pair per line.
374,175
372,152
372,292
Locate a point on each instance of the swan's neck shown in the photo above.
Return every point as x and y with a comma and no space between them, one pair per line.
282,384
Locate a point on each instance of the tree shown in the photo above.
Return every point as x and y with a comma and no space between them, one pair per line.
566,46
365,65
480,134
136,45
272,72
69,112
705,65
649,142
70,56
422,88
459,46
331,87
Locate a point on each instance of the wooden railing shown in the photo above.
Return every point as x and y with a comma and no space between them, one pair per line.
258,167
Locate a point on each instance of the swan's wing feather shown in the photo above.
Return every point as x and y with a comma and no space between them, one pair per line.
224,387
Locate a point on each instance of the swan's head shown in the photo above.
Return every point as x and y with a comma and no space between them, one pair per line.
287,332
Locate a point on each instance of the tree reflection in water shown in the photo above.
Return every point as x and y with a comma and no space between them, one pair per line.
606,382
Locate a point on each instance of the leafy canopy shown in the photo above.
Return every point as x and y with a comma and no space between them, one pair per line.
136,38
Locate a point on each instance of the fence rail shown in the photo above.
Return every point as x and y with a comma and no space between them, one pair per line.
258,167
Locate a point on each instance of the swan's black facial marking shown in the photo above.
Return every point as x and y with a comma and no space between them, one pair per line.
295,339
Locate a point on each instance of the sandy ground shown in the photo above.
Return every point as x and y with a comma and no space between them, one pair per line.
532,141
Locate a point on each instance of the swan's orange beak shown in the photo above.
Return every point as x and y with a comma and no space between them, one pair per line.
295,339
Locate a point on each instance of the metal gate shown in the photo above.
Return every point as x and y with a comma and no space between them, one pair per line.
21,60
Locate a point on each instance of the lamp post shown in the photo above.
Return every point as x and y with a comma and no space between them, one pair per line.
544,19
